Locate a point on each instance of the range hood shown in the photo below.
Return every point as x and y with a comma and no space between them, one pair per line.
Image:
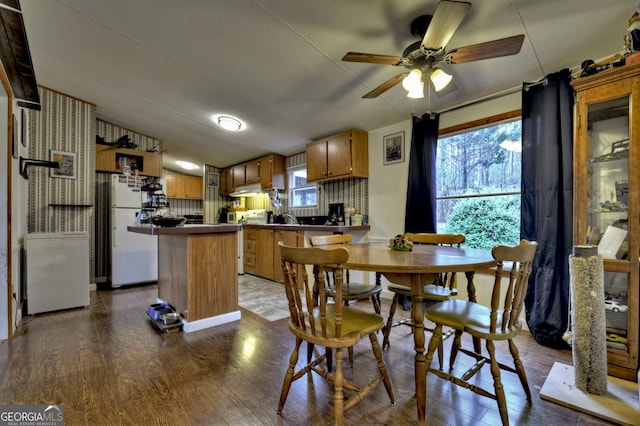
252,190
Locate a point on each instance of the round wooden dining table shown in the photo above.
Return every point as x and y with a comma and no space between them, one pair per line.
416,268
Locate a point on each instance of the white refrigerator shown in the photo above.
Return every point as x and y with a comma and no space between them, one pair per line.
134,257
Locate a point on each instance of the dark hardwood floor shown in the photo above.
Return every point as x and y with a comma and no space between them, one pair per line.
108,366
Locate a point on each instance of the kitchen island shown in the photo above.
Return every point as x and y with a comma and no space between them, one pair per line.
198,272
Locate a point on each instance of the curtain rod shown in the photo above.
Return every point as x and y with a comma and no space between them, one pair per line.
494,96
573,70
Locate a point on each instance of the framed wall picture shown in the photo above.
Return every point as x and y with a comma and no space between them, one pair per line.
393,146
213,180
67,160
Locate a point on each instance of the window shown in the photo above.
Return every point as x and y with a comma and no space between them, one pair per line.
478,184
301,193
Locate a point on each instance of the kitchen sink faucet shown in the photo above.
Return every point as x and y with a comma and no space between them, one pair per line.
293,218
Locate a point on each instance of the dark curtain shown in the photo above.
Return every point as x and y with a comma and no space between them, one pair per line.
420,213
547,202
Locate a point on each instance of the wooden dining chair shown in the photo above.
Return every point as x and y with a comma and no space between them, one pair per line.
350,291
442,287
499,322
331,325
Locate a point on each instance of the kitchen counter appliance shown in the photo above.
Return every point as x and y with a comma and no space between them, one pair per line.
336,214
256,217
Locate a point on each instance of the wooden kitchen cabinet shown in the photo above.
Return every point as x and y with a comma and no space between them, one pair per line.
273,170
239,176
258,251
289,238
606,195
338,156
252,172
184,187
250,236
264,253
226,182
108,160
261,251
270,171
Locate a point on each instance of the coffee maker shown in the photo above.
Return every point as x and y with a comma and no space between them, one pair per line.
336,213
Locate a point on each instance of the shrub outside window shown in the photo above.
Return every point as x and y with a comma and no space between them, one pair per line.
478,176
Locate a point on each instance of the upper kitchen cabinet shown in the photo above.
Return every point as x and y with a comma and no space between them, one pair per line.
268,171
226,182
239,175
252,172
606,197
184,187
338,156
272,172
108,159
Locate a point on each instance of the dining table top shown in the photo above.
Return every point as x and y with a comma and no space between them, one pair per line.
379,257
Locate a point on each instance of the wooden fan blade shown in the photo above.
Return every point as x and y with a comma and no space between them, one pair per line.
371,58
490,49
385,86
446,20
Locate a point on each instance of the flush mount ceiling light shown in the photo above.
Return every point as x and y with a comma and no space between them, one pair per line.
187,165
228,123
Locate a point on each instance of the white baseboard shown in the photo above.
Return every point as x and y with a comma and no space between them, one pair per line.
190,326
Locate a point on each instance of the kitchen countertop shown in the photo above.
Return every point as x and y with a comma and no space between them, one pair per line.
185,229
319,228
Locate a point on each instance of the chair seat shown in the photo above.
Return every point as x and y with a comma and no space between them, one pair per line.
356,291
354,321
431,291
473,318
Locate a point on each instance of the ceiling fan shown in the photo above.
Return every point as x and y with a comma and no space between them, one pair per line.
422,58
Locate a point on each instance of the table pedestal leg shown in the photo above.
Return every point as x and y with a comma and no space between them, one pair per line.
417,314
471,291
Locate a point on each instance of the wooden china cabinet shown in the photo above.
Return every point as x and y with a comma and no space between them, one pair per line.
607,199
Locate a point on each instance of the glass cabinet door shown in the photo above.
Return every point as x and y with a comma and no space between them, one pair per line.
608,205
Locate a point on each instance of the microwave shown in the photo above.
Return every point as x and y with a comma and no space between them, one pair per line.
235,217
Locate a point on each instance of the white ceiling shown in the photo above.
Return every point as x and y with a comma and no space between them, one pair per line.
164,67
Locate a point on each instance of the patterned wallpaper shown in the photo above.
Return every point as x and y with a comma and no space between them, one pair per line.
213,202
57,204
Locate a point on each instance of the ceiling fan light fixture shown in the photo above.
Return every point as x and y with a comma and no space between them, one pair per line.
229,123
414,84
440,79
417,92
